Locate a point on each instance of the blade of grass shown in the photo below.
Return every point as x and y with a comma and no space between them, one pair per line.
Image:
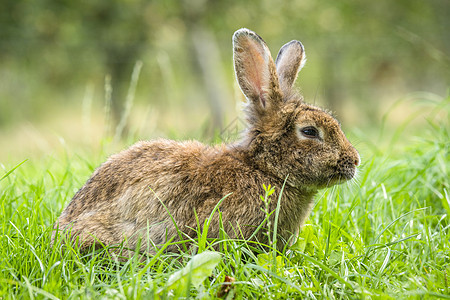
13,169
326,268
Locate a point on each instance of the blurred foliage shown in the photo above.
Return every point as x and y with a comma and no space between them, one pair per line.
362,54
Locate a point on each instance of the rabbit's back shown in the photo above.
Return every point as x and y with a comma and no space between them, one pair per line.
132,193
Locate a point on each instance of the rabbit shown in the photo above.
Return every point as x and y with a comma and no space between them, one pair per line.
155,191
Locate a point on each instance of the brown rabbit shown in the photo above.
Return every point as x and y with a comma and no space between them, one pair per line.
131,195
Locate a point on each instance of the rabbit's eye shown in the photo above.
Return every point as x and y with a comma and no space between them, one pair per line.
310,132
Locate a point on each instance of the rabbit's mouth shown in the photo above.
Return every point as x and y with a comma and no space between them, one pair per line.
340,178
336,175
342,172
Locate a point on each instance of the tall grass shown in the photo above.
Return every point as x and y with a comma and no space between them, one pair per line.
384,235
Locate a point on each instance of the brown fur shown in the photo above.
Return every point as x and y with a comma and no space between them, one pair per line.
123,198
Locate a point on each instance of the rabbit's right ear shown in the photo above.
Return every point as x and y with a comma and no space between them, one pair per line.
255,70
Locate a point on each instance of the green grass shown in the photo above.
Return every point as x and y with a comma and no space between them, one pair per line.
384,235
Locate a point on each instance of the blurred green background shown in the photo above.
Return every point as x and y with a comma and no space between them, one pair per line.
66,66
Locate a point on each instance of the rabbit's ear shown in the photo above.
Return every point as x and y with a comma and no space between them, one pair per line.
289,62
255,69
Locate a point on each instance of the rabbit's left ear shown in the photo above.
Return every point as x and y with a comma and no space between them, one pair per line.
290,60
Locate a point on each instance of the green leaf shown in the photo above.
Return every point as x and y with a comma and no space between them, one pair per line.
306,240
266,261
195,272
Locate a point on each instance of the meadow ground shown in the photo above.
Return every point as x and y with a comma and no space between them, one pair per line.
384,235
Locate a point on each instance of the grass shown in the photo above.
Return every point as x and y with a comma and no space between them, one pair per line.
385,235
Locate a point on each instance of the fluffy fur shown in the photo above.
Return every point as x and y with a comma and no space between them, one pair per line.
285,138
